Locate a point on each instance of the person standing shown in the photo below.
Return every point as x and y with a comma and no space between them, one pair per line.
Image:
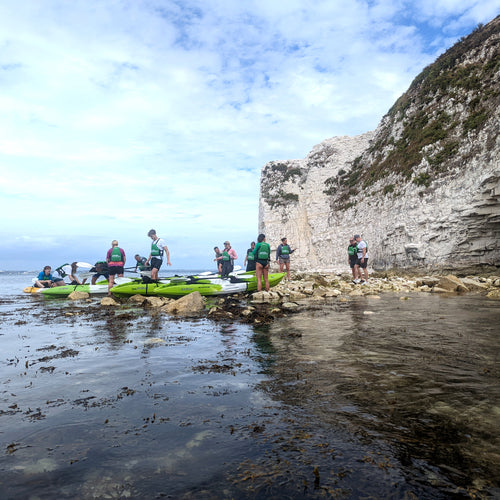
250,259
352,256
228,258
262,254
158,250
283,253
362,260
218,259
116,259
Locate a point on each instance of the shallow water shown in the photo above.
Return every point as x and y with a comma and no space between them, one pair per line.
371,398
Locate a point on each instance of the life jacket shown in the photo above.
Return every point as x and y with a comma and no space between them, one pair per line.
352,250
155,251
250,255
116,255
225,256
264,251
285,250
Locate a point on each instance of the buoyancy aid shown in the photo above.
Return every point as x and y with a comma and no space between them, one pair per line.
352,250
116,255
264,251
155,251
250,255
285,250
225,256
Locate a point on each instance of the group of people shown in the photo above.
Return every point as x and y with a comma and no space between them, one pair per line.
257,259
357,253
112,267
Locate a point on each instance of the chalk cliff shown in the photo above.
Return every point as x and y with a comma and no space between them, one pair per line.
423,189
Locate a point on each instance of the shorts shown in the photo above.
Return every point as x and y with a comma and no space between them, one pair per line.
352,261
55,280
105,275
282,260
156,263
250,265
112,270
362,265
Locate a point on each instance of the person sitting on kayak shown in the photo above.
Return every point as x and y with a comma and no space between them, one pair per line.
155,259
46,280
101,269
141,263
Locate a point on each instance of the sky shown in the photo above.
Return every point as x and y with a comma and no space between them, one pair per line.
119,116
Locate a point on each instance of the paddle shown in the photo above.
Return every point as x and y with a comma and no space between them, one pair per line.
84,264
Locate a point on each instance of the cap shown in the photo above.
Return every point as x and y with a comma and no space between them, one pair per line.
356,236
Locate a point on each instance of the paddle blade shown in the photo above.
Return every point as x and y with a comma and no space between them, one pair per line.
84,264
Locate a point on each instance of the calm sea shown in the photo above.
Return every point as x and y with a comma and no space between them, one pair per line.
389,397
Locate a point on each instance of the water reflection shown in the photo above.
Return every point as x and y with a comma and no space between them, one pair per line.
422,374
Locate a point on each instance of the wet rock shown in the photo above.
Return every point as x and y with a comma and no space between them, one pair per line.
188,305
494,294
429,281
289,306
474,285
138,299
109,301
263,296
438,289
153,302
451,283
76,295
295,295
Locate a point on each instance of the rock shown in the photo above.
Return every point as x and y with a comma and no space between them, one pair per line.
429,281
293,295
289,306
494,294
474,285
263,296
139,299
333,292
153,302
438,289
109,301
76,295
188,305
452,284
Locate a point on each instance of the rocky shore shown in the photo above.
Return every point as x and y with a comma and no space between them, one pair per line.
304,291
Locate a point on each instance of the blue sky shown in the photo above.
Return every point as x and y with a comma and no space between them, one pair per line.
118,116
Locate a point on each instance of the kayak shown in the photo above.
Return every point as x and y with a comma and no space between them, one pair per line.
63,291
206,285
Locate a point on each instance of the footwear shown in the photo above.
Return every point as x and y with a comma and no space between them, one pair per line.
364,282
355,281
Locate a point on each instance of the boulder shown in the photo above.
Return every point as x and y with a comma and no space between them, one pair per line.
153,302
138,299
289,306
494,294
474,285
263,296
109,301
189,305
76,295
451,283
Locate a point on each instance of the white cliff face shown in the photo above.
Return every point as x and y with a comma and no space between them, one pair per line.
423,189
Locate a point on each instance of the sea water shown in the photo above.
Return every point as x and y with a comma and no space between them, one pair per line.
389,397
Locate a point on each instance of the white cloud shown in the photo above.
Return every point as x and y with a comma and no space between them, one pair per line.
117,117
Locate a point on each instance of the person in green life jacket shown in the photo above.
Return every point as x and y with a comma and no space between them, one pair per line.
262,255
116,261
283,253
100,269
158,250
140,263
250,259
352,256
227,258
